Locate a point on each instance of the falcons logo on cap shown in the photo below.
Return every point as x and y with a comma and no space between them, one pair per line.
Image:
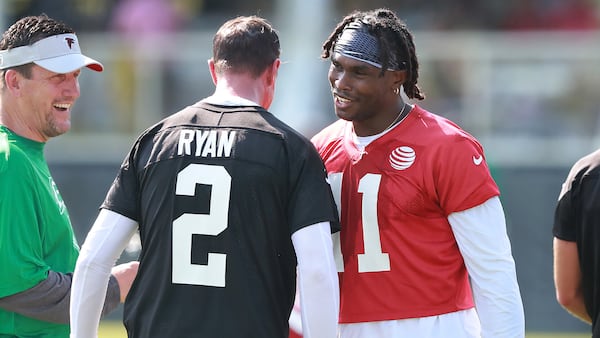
70,42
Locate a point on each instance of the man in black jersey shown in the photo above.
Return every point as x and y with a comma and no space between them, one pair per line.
577,242
230,202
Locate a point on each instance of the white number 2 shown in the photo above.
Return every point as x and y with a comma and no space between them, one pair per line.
212,224
373,259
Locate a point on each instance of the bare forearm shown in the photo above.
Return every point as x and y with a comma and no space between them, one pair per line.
567,278
577,309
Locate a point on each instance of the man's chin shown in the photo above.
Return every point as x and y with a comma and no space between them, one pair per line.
343,115
59,130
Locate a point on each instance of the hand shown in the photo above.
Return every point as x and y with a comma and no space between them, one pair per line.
125,274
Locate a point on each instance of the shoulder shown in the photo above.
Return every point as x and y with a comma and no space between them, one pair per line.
292,138
4,151
586,168
330,134
160,135
590,162
12,157
442,132
438,124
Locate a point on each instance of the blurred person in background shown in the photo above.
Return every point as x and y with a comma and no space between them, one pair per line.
40,62
423,241
576,242
230,203
144,26
579,15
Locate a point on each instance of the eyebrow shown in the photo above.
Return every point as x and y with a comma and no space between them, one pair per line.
355,65
360,68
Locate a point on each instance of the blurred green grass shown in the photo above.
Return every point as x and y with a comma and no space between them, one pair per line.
111,329
115,329
558,335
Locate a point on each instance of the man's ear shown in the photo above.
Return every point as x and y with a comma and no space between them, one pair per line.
398,78
272,72
12,78
211,68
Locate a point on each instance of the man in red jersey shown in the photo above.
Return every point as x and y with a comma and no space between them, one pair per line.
423,240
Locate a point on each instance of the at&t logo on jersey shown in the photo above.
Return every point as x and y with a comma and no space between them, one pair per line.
402,157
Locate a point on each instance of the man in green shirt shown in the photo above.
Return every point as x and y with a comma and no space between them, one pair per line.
40,61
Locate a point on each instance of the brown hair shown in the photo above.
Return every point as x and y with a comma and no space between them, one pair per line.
245,44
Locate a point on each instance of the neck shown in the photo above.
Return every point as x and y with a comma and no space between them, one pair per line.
242,86
12,118
401,115
382,121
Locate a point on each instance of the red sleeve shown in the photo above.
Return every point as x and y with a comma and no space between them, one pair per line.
463,176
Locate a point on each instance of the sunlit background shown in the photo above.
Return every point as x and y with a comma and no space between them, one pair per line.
523,76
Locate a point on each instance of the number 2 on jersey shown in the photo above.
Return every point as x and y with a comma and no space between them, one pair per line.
373,259
212,224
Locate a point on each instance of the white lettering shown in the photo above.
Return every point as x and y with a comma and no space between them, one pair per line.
185,142
226,143
209,143
201,136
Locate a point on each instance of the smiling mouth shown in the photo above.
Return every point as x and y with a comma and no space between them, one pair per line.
62,106
341,99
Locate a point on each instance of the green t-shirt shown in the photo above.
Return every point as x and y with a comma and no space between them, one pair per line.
35,231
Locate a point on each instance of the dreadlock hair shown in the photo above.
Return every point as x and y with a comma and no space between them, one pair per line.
392,35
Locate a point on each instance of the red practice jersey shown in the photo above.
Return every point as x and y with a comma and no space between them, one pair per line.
400,257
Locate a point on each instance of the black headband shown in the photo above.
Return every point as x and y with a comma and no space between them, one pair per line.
356,42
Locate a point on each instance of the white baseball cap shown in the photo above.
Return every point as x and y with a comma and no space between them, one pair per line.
57,53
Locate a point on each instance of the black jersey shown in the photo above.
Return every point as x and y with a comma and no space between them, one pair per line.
217,192
577,219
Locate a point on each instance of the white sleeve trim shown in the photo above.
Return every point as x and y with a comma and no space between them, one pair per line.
483,242
317,281
102,247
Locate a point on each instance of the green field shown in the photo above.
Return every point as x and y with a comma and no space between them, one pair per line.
114,329
111,329
558,335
